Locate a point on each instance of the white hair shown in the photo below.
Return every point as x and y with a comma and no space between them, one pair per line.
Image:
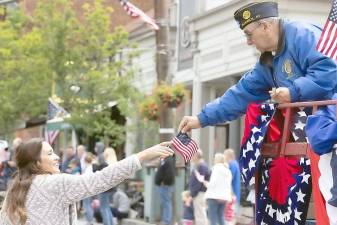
269,20
219,158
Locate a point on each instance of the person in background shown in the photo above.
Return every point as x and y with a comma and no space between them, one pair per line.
198,189
120,204
219,189
236,181
106,157
9,165
87,170
4,156
164,180
40,194
188,211
110,156
71,158
81,153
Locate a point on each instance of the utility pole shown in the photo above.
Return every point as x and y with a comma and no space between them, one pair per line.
161,13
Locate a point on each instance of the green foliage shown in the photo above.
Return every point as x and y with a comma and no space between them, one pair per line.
54,44
24,72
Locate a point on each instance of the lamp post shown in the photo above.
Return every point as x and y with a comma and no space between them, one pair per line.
75,88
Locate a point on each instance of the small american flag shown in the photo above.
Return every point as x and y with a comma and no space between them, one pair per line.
185,146
327,43
135,12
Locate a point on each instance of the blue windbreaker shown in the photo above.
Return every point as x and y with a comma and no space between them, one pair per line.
321,129
297,65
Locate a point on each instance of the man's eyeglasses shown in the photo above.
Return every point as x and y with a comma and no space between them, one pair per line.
249,34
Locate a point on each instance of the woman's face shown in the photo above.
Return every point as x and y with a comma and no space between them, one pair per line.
50,162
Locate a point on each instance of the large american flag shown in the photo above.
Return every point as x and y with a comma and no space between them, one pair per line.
135,12
185,145
327,43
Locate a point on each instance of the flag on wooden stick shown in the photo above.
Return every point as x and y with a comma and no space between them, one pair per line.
186,146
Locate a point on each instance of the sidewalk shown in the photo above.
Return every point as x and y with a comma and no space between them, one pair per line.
245,218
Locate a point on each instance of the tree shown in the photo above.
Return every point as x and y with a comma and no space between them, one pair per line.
82,52
24,81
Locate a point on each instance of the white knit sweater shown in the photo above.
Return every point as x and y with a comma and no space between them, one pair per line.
51,196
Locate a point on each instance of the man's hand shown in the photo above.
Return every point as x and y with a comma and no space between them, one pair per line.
280,95
188,123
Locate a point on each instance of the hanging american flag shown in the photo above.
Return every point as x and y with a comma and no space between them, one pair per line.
327,43
186,146
135,12
50,136
54,111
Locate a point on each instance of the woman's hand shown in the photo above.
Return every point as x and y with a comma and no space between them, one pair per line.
158,151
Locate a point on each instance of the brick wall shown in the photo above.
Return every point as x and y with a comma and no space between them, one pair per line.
28,133
119,17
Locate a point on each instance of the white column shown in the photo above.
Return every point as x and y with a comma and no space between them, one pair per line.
130,139
211,132
196,96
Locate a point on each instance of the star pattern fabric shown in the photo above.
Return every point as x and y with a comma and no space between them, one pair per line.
294,210
297,129
250,148
286,183
284,188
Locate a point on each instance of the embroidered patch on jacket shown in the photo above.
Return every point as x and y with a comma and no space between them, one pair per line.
288,68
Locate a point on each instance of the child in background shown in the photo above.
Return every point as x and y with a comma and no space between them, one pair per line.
74,167
230,212
188,212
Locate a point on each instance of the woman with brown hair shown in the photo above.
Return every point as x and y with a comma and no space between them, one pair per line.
40,194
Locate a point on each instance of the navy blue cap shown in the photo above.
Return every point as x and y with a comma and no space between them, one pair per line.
254,12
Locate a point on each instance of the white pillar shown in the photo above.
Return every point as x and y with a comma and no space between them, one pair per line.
130,139
196,96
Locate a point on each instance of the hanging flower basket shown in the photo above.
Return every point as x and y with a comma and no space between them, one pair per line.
170,96
149,108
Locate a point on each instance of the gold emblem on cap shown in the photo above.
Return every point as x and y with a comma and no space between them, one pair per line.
246,14
287,67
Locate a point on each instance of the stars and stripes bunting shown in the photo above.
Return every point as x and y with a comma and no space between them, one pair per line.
295,196
327,43
284,182
186,146
250,148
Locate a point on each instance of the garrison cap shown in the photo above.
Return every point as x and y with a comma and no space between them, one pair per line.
254,12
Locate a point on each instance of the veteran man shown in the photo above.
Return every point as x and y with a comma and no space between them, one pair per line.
289,62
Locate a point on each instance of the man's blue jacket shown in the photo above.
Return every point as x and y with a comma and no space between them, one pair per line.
297,65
